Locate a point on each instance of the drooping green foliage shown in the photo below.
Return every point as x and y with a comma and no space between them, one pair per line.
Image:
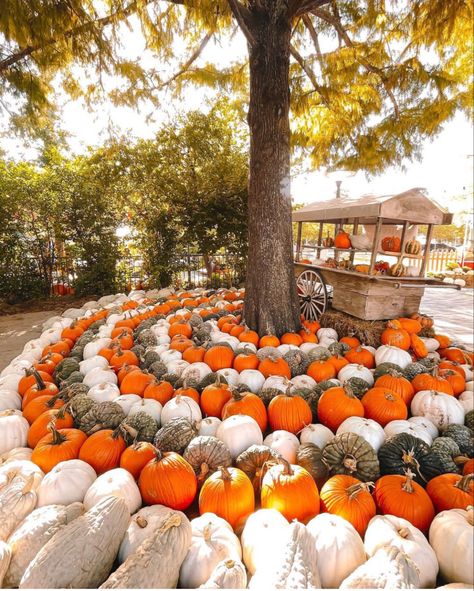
369,80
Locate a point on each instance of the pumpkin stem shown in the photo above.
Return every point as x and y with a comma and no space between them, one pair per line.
355,489
141,521
460,460
465,482
287,466
39,380
350,463
225,474
204,471
408,484
404,532
207,532
58,438
229,563
349,392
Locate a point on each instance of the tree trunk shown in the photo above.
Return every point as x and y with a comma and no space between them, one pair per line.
271,301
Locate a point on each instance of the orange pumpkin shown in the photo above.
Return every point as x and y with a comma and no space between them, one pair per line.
245,361
444,341
103,449
58,446
468,467
187,391
349,498
181,344
168,480
291,338
455,379
214,397
289,413
135,382
361,356
395,336
181,328
342,240
452,365
269,340
418,346
60,347
246,403
136,457
336,405
396,382
124,370
160,391
41,426
291,490
312,325
73,332
121,358
194,354
39,405
33,378
229,494
338,362
411,325
391,244
426,381
321,370
351,342
219,357
401,496
456,354
274,366
451,491
48,363
383,405
248,336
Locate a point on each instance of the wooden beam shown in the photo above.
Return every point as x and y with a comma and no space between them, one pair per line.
426,256
320,240
375,246
298,240
355,229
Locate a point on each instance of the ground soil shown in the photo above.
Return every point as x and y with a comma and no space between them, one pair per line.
54,304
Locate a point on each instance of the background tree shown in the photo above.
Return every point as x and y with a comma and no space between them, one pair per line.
369,80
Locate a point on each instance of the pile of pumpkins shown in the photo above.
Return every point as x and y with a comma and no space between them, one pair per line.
157,429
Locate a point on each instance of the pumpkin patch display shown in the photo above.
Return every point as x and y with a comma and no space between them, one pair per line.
171,403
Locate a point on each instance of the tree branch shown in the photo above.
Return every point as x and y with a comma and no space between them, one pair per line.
11,60
314,36
333,20
302,7
308,71
243,16
192,58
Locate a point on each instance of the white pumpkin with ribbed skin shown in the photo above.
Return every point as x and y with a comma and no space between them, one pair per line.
432,345
17,470
104,392
452,538
371,431
118,483
352,370
339,547
88,365
17,453
149,406
253,380
441,409
15,368
5,557
230,375
66,483
10,382
209,426
100,376
302,381
33,533
212,540
228,574
428,425
126,401
239,432
317,434
283,349
388,530
181,406
327,333
13,430
467,400
389,354
92,349
9,400
468,372
196,371
17,500
262,530
470,386
283,442
277,383
402,426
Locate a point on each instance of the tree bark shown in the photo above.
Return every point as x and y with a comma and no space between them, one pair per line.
271,301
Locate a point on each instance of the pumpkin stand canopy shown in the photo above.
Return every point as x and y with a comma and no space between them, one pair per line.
377,290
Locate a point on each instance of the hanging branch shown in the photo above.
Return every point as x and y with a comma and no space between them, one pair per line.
192,58
242,16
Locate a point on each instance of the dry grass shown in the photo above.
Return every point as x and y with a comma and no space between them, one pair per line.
367,331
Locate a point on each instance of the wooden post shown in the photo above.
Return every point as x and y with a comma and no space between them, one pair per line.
426,257
355,229
298,240
320,240
375,245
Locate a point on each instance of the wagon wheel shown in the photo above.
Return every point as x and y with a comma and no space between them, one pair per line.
312,293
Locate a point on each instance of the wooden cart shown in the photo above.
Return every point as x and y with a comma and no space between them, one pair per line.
369,296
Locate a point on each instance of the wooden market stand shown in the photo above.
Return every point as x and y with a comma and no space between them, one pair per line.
367,296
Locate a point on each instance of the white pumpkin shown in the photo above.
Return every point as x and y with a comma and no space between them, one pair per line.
92,349
21,470
118,483
452,538
277,383
371,431
170,355
100,376
196,371
239,432
50,336
373,350
283,349
317,434
389,354
88,365
339,547
66,483
352,370
470,386
212,540
17,453
327,333
105,331
441,409
467,400
307,347
230,375
9,399
181,406
149,406
126,401
428,425
17,500
431,345
434,355
388,530
228,574
283,442
159,349
13,430
209,426
229,339
5,557
177,367
10,382
247,348
104,392
303,381
252,379
401,426
15,369
468,372
261,532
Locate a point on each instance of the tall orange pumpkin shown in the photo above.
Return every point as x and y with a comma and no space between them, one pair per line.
289,413
396,382
338,404
246,403
214,397
103,449
168,480
229,494
41,426
383,405
58,446
219,357
395,336
136,457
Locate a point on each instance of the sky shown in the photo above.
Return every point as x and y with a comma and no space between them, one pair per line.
445,170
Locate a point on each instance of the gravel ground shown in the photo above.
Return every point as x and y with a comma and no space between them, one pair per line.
452,311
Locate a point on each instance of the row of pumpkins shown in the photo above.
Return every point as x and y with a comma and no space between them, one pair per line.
339,459
388,243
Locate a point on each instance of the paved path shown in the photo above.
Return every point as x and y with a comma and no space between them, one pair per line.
452,311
